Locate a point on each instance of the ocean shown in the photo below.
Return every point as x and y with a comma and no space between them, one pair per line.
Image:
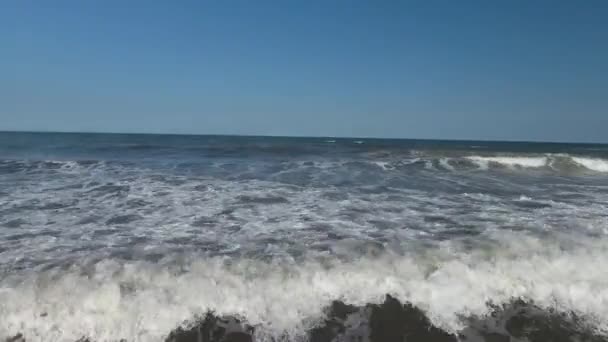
117,237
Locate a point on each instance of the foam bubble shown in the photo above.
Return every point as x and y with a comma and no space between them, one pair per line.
142,301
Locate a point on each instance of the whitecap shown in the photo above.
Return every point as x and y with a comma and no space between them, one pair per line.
593,164
525,162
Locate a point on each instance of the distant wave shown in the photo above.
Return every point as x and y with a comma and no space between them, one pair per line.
556,162
9,166
551,162
595,164
527,162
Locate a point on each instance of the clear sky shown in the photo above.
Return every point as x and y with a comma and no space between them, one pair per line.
504,69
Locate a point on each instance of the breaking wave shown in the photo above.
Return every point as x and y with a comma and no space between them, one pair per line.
556,163
450,286
526,162
594,164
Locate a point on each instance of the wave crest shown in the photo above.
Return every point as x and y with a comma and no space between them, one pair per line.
143,301
594,164
561,163
526,162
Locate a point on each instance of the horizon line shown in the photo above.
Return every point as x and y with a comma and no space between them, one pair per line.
306,136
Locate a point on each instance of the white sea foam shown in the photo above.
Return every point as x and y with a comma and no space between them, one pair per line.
143,302
593,164
525,162
445,163
384,165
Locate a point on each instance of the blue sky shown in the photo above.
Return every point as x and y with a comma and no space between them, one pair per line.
500,70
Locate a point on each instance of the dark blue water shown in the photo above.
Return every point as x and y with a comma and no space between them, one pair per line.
125,146
114,236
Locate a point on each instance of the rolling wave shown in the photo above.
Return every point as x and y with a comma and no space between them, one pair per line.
594,164
525,162
561,162
556,163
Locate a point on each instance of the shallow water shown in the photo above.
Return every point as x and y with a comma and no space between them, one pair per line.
115,237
